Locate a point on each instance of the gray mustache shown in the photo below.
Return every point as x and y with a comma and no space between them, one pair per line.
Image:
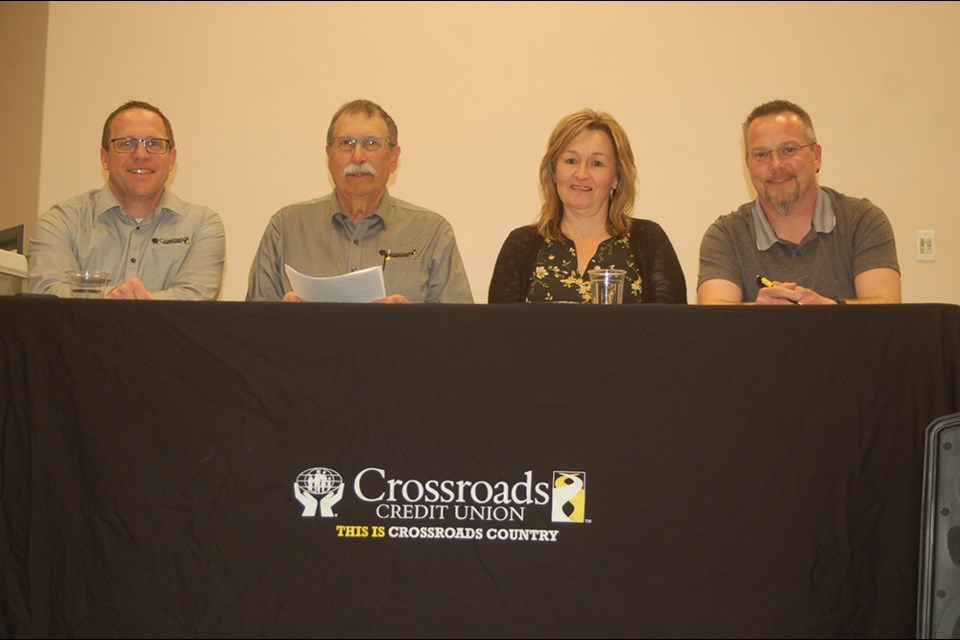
361,167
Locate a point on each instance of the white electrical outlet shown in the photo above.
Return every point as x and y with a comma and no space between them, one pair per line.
926,246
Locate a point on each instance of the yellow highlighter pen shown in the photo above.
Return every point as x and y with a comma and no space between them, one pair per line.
765,282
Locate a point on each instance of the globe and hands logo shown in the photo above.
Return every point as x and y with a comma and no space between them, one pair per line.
318,486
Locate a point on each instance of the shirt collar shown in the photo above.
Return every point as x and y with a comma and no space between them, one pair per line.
106,200
383,214
824,220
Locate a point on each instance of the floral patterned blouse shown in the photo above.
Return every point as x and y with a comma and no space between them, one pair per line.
556,277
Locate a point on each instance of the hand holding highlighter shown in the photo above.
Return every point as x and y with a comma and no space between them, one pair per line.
764,283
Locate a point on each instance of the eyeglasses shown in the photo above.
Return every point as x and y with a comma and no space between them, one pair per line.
129,145
785,152
367,143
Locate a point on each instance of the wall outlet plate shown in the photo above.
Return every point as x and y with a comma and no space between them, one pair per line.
926,245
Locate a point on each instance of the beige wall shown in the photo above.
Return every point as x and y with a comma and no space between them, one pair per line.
23,43
477,87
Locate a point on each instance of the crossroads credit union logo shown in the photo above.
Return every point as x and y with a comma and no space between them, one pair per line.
321,487
569,496
465,502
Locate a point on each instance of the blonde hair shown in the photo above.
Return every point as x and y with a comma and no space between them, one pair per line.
621,202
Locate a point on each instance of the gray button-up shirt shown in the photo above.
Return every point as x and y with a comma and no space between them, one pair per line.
177,251
317,239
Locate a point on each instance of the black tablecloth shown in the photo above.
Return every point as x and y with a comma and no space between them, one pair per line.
507,470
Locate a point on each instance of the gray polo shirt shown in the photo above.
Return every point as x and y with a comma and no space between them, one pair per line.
848,236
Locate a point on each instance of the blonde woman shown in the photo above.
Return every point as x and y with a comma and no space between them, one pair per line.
588,184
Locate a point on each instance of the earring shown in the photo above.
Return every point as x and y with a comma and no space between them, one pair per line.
613,192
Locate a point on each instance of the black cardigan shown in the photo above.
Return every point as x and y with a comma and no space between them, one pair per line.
661,276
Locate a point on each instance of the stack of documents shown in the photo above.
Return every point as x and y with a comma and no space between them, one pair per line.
364,285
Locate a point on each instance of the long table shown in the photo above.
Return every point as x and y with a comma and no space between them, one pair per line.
274,470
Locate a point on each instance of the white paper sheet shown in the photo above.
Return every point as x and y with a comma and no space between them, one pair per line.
364,285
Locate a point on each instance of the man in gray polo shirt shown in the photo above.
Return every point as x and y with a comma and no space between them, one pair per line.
798,242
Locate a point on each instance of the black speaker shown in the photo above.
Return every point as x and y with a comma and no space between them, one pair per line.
938,596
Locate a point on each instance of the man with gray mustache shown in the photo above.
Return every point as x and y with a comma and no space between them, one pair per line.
360,224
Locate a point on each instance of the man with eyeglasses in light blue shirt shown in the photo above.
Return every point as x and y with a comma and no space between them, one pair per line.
360,225
797,243
153,245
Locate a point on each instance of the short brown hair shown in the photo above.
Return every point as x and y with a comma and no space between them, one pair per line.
135,104
780,106
369,109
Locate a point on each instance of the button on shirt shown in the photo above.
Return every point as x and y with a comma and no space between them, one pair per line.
177,251
317,239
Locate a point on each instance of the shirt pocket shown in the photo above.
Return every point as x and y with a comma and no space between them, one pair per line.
162,263
407,277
